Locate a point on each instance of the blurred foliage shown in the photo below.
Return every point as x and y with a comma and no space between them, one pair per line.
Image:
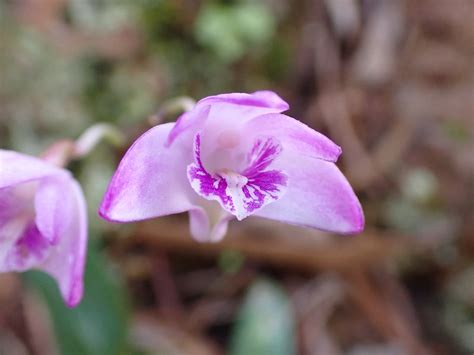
458,312
94,173
232,30
101,16
40,91
98,326
231,261
264,323
416,207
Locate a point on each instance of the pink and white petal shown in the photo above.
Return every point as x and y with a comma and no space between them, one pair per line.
17,168
66,260
224,142
318,196
226,113
10,206
204,184
28,250
241,193
208,224
294,135
16,206
50,218
261,189
220,228
150,180
255,187
199,224
188,124
265,100
10,231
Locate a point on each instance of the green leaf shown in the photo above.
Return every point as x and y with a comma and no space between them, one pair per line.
254,22
98,326
265,322
230,261
232,30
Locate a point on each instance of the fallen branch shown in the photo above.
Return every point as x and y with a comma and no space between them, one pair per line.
279,245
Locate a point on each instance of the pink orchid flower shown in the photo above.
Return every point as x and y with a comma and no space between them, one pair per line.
234,155
43,223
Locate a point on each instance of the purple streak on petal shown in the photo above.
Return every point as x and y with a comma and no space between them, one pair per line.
22,246
263,152
268,182
211,188
241,193
28,251
43,222
295,136
263,186
319,196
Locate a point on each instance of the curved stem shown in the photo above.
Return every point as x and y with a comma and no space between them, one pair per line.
94,135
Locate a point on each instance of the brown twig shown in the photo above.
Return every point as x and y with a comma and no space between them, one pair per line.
283,246
165,288
387,317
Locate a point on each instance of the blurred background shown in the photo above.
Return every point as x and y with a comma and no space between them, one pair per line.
390,81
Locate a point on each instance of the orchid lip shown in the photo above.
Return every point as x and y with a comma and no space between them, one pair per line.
232,178
242,193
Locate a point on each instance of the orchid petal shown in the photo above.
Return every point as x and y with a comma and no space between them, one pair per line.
16,168
188,122
294,135
206,185
43,221
27,251
227,109
203,229
12,228
22,246
10,206
49,205
66,259
265,100
150,180
318,196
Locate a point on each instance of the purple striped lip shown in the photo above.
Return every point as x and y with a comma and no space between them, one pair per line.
244,192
